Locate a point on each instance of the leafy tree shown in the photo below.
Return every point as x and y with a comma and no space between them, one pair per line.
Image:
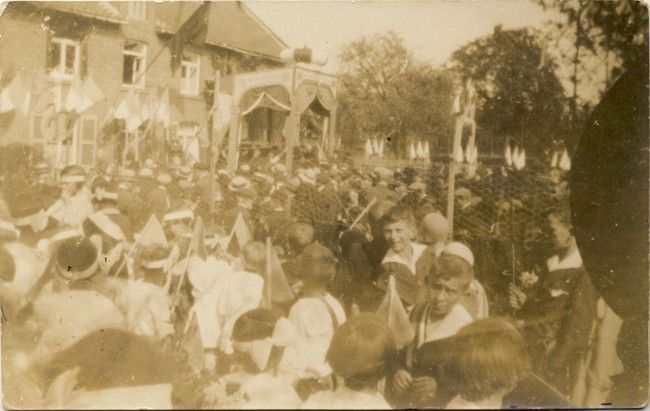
386,94
620,26
519,96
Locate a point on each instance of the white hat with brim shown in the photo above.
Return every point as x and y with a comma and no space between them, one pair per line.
178,215
308,176
238,183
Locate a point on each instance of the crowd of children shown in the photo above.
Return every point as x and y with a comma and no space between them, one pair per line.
262,307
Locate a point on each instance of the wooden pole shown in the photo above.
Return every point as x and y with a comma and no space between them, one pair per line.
269,268
294,126
212,134
452,175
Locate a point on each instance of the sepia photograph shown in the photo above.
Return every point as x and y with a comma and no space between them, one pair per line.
336,204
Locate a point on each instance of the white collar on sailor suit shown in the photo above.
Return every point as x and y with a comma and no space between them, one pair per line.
573,260
393,257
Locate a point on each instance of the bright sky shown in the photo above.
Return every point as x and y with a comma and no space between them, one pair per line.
431,29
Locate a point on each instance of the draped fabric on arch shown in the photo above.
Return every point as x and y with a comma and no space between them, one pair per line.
273,97
265,111
309,91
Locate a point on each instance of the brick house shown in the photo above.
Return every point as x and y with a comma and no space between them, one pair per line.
113,42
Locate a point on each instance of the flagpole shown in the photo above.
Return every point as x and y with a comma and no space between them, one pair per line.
269,295
213,114
365,210
151,119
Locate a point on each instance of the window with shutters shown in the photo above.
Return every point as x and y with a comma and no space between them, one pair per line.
87,140
64,57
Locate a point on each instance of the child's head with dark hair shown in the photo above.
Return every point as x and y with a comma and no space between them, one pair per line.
318,265
448,280
362,351
376,213
253,257
399,228
299,236
558,228
259,336
491,359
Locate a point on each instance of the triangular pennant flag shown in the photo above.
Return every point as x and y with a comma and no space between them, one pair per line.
222,117
508,155
427,154
91,94
458,153
381,148
192,150
280,290
375,146
368,147
521,160
150,105
197,243
75,94
554,160
6,102
13,95
564,160
393,311
193,346
420,150
202,134
411,152
241,235
456,106
515,156
152,233
162,112
123,110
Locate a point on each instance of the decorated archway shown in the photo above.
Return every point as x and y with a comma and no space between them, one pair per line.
291,90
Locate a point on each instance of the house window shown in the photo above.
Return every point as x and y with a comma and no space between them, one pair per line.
184,136
135,58
138,9
190,67
63,57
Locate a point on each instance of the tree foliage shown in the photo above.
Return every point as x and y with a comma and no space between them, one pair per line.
619,26
386,93
519,96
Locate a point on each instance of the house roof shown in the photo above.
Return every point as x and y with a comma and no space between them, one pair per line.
101,10
231,25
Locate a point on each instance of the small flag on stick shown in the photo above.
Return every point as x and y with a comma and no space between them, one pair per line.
152,234
239,236
276,286
393,311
